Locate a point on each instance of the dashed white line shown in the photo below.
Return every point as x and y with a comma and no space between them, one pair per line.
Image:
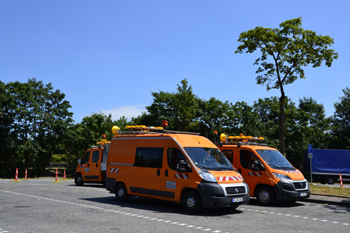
109,210
295,216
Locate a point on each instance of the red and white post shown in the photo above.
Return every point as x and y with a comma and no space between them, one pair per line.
56,174
16,177
25,175
341,181
64,174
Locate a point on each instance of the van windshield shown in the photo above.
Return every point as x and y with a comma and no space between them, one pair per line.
275,160
209,159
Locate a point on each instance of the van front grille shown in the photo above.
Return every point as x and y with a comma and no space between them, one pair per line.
300,185
235,190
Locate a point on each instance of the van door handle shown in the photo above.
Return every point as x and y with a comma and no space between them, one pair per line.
96,164
158,172
88,165
166,172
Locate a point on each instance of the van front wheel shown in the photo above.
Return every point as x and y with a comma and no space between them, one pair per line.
191,202
79,180
121,194
265,195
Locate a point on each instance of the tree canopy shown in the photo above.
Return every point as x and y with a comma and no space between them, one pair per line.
284,53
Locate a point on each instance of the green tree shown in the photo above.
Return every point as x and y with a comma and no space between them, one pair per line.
185,105
308,124
40,118
341,122
284,52
212,116
179,109
83,135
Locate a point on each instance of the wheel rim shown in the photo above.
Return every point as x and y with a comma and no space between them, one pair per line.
191,202
79,179
264,196
121,193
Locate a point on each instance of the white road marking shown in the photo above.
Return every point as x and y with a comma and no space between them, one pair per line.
107,210
295,216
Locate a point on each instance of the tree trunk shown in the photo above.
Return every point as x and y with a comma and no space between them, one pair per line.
281,121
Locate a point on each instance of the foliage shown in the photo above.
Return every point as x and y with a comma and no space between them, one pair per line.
36,118
284,52
341,122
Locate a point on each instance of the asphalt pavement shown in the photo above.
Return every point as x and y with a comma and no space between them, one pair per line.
328,200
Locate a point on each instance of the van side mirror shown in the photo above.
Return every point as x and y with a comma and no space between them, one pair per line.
182,166
257,166
79,161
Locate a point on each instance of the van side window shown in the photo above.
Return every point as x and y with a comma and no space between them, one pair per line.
149,157
95,156
247,157
85,158
228,154
174,156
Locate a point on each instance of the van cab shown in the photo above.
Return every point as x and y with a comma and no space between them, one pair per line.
91,166
269,175
181,167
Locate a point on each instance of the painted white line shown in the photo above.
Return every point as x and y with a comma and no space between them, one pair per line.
106,210
297,216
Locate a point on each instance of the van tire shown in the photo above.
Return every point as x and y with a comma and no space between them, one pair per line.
121,194
192,202
79,180
265,195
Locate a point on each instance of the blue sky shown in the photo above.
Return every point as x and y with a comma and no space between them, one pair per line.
109,56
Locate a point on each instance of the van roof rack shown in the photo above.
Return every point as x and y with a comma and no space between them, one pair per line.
142,129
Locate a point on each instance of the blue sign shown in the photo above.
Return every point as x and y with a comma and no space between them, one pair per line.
309,151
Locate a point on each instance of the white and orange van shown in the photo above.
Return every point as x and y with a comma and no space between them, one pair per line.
92,167
174,166
269,175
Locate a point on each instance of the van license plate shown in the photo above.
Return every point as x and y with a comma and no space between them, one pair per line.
303,194
237,199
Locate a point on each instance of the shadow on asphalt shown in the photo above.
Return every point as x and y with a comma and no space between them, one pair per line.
159,206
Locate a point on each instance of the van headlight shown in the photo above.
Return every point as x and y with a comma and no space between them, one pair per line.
207,176
281,176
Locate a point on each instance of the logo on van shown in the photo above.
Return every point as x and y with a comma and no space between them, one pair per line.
292,172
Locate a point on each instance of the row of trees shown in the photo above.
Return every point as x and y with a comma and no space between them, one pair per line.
35,123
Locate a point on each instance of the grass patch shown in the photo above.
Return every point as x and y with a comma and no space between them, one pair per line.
333,191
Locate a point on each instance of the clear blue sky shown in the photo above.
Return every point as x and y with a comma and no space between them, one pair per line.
109,56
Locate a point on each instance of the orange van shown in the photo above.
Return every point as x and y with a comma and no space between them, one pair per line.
92,166
269,175
174,166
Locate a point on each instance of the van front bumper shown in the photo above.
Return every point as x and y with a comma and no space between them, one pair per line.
214,196
286,191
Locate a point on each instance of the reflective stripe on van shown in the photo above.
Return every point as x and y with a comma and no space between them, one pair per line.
180,176
254,174
228,178
115,170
